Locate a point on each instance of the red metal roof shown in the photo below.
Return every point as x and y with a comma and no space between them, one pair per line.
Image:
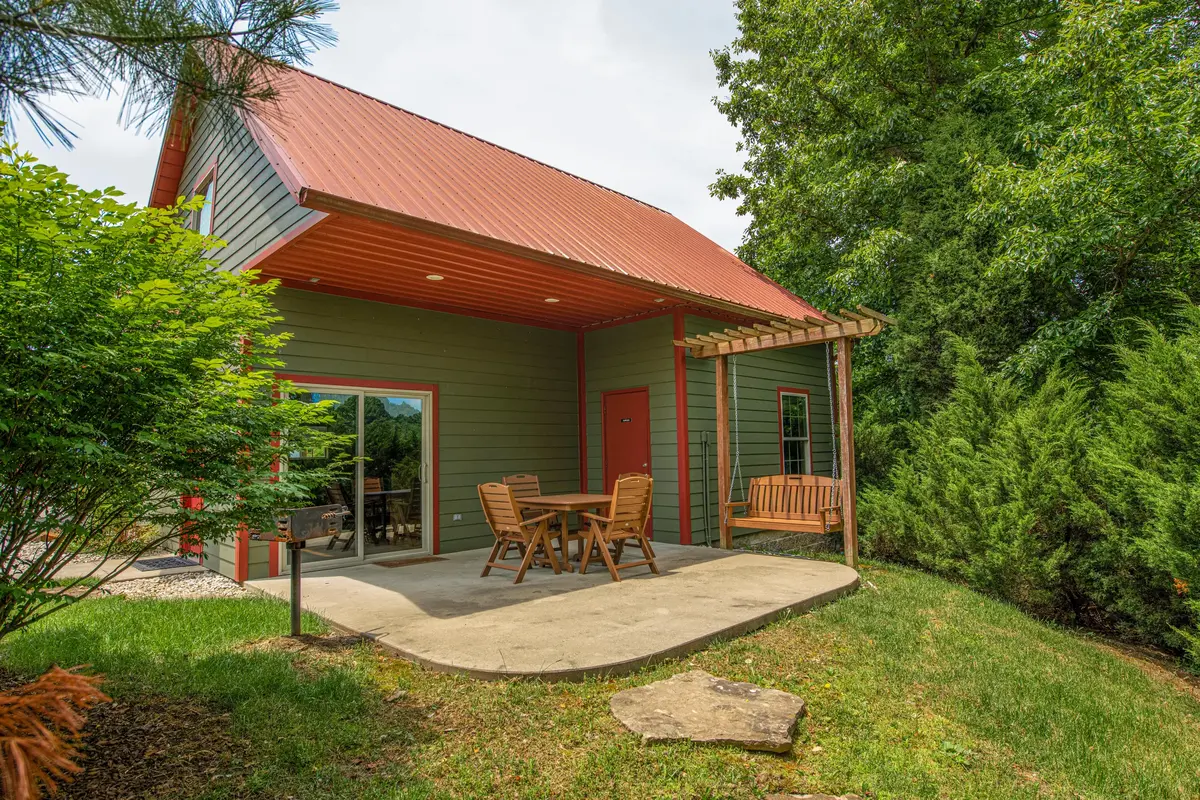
338,149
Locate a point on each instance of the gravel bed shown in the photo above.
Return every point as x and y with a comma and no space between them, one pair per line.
186,584
31,551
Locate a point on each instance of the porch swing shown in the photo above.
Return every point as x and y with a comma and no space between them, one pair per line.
785,503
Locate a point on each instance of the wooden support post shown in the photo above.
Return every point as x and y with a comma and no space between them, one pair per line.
845,414
723,469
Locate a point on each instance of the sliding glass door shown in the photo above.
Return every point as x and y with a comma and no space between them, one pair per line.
387,491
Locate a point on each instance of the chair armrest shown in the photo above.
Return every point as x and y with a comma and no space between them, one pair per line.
738,504
831,508
542,518
597,517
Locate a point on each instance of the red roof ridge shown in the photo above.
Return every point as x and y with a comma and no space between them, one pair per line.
480,139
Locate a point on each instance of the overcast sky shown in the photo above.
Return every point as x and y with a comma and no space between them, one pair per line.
617,91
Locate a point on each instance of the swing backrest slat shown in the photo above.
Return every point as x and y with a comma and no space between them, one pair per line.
792,496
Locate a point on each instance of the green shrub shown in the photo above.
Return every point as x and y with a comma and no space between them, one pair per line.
1148,463
994,491
1085,510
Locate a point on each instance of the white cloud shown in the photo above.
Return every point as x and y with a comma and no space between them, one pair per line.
617,91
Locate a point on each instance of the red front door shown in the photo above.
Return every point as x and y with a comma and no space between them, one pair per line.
626,433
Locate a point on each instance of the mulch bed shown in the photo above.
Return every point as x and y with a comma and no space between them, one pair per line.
152,748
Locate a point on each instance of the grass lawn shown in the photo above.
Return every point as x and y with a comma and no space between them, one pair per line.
916,688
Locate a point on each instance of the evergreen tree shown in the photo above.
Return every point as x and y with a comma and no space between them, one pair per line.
216,53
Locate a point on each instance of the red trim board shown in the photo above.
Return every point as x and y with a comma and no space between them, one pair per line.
683,454
581,368
432,388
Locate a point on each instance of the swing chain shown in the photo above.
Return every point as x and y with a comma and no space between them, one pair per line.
833,426
737,437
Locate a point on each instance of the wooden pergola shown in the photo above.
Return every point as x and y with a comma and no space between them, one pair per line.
842,328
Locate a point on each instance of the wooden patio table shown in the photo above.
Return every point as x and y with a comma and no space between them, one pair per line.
565,504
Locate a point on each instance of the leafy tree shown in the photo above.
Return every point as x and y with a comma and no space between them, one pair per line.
1021,173
213,52
856,118
132,373
1105,205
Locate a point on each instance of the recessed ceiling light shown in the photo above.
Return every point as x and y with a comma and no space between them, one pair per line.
551,299
434,278
660,299
313,280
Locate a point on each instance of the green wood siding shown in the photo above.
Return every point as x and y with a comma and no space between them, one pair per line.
508,395
220,556
759,376
253,207
625,357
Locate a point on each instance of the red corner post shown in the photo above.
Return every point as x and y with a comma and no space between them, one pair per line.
683,453
189,543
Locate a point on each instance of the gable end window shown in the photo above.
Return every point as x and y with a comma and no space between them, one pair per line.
201,221
795,443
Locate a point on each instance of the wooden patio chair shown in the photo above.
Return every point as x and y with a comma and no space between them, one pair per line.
375,510
405,512
619,547
526,485
532,536
336,496
626,520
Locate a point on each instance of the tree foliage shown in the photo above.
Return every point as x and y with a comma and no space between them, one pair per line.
1020,173
214,53
1017,182
132,373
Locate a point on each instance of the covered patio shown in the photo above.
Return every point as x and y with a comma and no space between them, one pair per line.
440,613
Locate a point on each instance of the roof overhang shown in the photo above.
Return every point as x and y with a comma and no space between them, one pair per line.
365,253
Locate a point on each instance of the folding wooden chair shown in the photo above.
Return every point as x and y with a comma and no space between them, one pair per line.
620,546
525,485
532,536
348,526
626,520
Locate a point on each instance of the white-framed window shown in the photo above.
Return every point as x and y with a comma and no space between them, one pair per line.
795,436
202,220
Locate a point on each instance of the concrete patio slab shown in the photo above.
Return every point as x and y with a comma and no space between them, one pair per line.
569,626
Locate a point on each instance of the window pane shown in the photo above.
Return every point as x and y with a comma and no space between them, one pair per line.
794,452
204,224
392,484
341,492
794,425
802,417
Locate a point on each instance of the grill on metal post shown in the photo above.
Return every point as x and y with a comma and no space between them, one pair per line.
295,529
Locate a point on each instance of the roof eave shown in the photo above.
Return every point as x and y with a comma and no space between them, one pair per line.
321,201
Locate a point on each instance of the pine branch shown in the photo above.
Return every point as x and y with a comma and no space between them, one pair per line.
211,52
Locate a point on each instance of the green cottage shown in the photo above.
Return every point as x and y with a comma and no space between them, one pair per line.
477,314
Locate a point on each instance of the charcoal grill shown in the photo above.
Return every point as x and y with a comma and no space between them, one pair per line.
295,529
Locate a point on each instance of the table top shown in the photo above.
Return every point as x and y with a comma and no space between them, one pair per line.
565,502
